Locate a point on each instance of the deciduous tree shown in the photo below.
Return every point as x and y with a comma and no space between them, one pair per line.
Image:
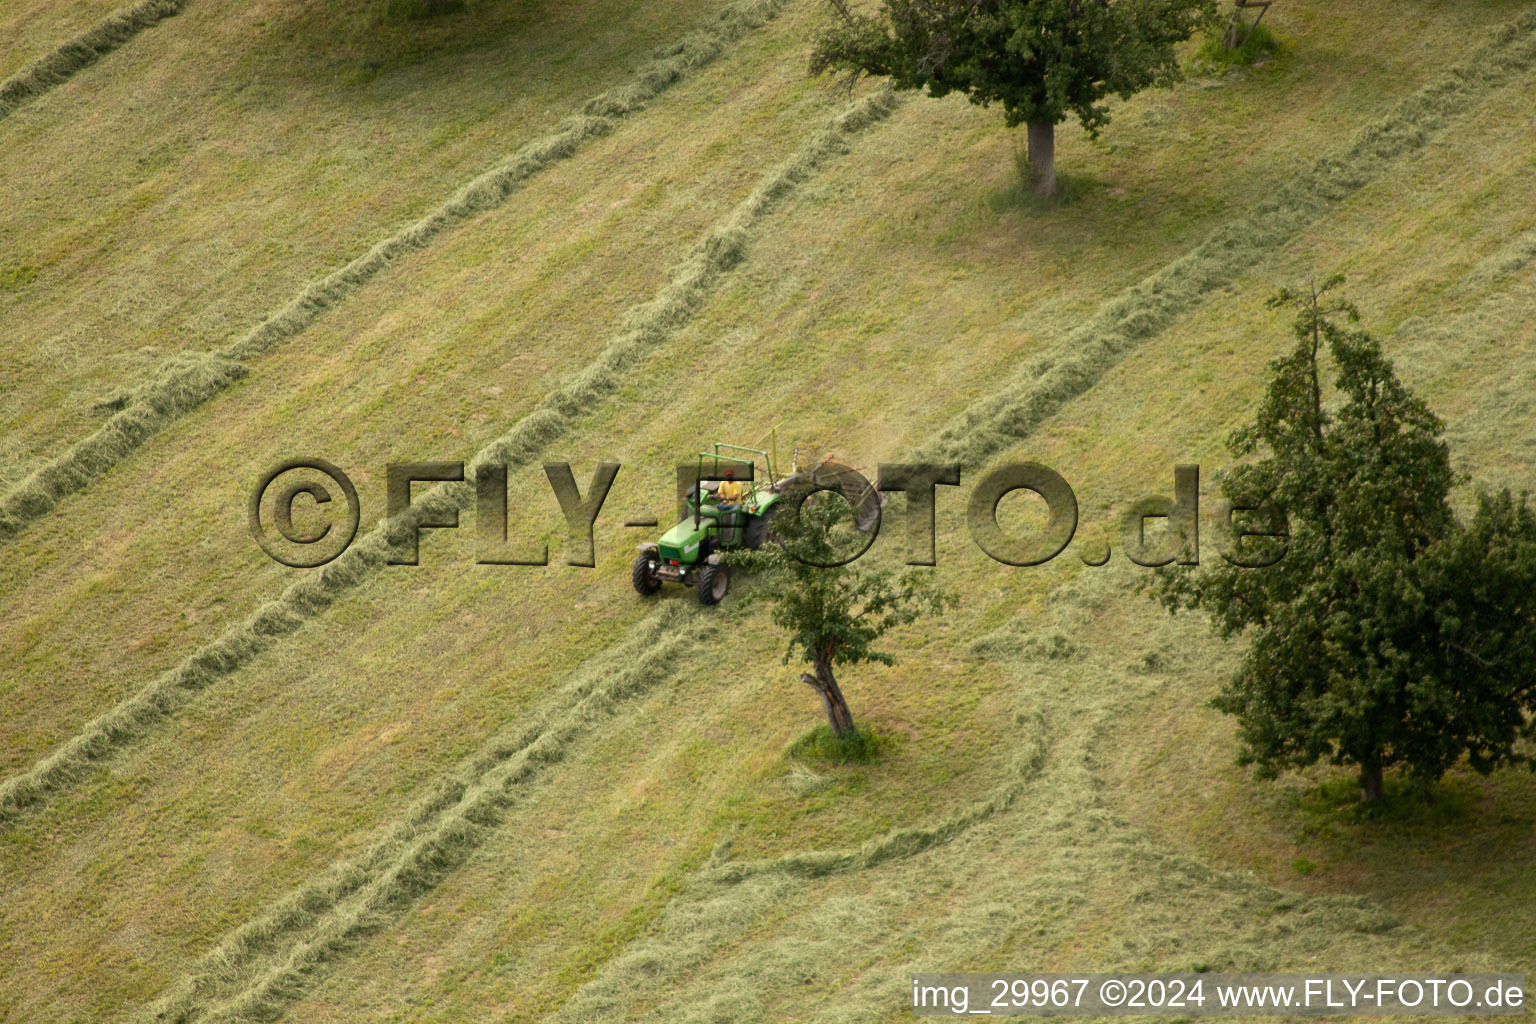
1390,633
835,611
1043,60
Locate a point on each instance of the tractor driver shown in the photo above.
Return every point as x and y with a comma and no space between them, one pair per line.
731,491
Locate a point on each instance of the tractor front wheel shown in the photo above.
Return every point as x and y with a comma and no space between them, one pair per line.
714,582
643,576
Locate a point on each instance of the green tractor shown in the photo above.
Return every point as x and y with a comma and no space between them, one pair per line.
717,519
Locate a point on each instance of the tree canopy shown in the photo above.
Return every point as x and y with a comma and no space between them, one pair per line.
834,611
1042,60
1389,633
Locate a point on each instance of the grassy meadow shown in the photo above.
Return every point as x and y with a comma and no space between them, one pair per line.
231,790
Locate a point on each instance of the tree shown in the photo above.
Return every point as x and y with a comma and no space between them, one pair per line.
1389,633
1239,30
834,613
1041,59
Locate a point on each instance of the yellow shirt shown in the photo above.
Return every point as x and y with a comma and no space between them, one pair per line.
732,491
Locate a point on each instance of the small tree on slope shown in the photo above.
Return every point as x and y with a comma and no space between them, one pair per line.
1389,633
1041,59
834,614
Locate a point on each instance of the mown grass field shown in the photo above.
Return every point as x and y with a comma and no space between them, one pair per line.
464,792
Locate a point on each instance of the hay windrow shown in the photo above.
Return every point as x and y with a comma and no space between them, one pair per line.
166,398
1028,762
898,843
82,51
1049,381
645,326
182,383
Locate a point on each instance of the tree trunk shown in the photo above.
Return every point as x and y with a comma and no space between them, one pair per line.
1042,155
832,700
1234,27
1371,785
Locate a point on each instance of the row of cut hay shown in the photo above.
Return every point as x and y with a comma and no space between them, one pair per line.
174,391
1047,382
722,927
85,49
1028,762
267,961
644,327
183,382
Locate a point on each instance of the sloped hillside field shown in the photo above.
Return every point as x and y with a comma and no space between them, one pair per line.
518,234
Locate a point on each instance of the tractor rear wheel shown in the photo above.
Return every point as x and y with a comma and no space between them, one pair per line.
760,529
714,582
643,576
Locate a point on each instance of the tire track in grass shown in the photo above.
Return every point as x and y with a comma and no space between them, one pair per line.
56,68
1050,380
188,379
268,961
645,326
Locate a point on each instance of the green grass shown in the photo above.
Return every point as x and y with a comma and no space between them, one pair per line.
1021,196
1214,56
17,276
821,747
462,792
